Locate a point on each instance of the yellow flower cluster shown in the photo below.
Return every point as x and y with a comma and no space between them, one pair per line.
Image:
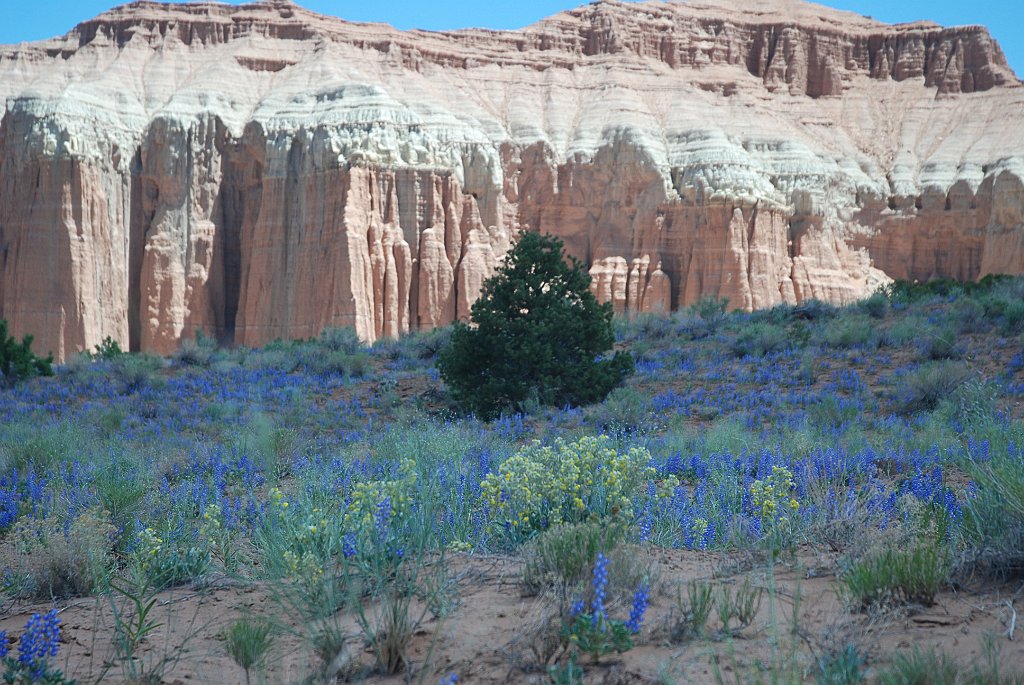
212,520
149,546
699,527
277,499
773,497
306,570
367,497
542,486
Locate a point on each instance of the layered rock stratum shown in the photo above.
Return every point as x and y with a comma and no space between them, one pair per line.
261,172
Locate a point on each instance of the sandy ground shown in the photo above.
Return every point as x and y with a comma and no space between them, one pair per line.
496,630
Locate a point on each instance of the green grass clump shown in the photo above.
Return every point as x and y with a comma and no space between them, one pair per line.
929,667
896,577
247,643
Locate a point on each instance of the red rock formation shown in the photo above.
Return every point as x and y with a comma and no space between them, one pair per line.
261,172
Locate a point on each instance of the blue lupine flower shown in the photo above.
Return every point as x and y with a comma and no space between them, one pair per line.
3,644
577,607
600,589
348,546
40,641
450,679
639,608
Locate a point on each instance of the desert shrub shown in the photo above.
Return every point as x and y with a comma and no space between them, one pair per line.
419,346
198,352
993,521
169,557
655,327
538,332
27,447
935,343
876,306
832,412
134,372
107,349
968,316
926,386
562,556
625,409
318,361
903,331
541,486
1013,317
711,311
341,339
972,405
17,362
929,667
760,339
814,310
282,357
779,315
54,563
848,331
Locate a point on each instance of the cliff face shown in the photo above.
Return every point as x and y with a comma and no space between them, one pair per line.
261,171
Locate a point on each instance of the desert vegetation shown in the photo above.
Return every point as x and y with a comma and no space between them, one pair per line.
807,494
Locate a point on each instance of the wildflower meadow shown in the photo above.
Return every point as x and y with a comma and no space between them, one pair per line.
806,494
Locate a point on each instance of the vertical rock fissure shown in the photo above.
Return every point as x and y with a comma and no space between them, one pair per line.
138,227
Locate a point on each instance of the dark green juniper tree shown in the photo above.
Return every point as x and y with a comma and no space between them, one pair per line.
17,361
538,334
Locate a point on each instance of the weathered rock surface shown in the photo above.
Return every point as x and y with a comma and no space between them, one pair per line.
261,171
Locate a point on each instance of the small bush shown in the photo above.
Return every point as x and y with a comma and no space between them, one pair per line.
17,362
135,372
341,339
848,331
52,563
1013,317
814,310
690,615
563,556
760,339
925,387
198,352
994,516
107,350
968,316
625,409
542,486
938,344
904,331
282,357
711,310
319,362
875,306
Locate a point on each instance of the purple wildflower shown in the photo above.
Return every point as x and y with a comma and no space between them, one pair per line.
636,613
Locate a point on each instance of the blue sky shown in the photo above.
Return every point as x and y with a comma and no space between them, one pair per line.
1005,18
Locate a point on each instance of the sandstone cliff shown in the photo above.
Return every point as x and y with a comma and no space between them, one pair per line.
261,171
